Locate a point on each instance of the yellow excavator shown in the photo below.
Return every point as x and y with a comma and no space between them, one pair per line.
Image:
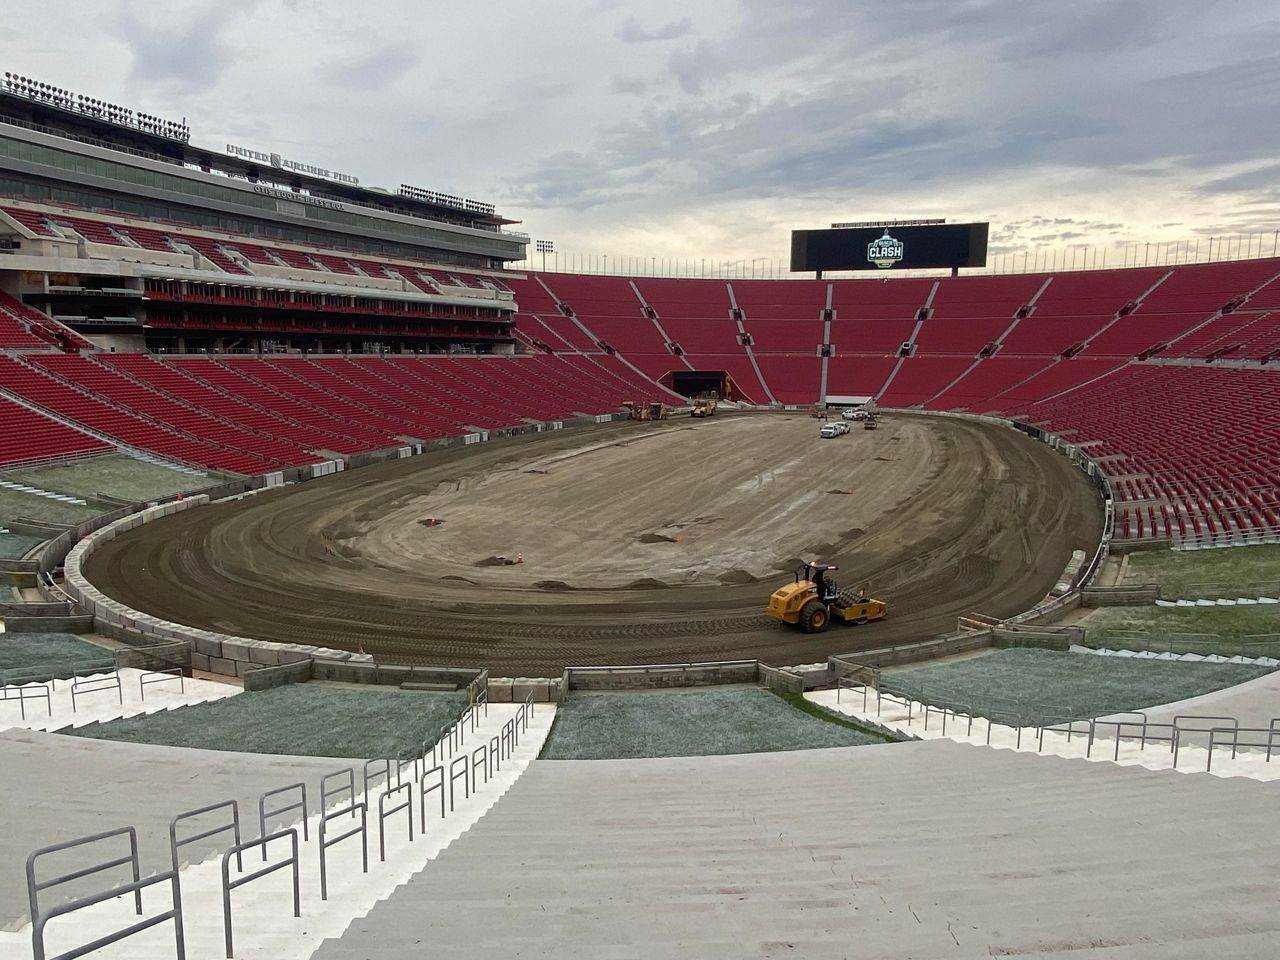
812,600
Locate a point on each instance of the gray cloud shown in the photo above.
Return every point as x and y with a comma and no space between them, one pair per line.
371,69
187,48
710,129
632,32
630,85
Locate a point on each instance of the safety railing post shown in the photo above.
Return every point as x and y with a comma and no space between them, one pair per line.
384,812
228,884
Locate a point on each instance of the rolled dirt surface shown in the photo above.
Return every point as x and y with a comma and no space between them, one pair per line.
640,543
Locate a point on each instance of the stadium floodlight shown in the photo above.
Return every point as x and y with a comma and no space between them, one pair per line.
544,247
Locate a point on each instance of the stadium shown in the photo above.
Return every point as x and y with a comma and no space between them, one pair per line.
354,558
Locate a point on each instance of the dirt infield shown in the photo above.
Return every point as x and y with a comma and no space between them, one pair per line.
641,543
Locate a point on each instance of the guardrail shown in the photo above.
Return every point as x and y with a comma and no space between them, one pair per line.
1132,726
40,918
1207,644
458,766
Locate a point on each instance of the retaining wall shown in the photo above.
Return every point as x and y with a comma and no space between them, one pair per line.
212,652
661,675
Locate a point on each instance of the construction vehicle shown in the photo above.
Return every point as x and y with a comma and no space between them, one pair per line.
871,422
813,600
648,411
705,405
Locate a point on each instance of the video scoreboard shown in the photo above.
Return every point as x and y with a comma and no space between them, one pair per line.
912,245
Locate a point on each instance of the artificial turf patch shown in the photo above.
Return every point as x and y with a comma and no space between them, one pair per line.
1027,686
301,720
42,656
703,723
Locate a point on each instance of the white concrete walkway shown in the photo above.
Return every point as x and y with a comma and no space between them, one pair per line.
98,700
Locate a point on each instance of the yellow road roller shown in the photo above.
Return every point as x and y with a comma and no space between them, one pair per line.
813,599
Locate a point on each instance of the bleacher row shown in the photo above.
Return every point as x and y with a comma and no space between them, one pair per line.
1135,366
253,415
973,338
1191,446
230,254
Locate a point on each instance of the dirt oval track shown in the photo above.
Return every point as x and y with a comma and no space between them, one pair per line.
642,543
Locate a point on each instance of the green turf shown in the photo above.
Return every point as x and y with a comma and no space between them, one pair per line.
687,724
301,719
40,656
1186,629
114,475
15,504
1028,686
1197,574
14,546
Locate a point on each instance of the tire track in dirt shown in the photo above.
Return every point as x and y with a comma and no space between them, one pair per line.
986,525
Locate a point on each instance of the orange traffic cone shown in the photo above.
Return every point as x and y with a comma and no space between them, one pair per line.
679,537
519,558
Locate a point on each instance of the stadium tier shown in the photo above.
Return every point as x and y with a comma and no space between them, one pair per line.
262,319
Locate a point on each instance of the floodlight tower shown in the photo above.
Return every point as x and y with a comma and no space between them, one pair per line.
544,247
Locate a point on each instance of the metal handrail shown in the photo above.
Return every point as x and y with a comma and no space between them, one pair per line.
384,812
1174,733
328,794
40,919
263,812
24,692
465,776
94,680
161,676
233,825
228,884
386,774
395,798
424,789
1218,737
326,841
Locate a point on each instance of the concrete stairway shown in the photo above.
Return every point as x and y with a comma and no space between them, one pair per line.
58,788
106,703
933,850
264,926
1118,738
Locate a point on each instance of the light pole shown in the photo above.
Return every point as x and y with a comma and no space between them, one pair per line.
544,247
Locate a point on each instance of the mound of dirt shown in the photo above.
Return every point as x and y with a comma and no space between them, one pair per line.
673,536
853,533
647,583
553,585
458,579
493,562
735,577
841,493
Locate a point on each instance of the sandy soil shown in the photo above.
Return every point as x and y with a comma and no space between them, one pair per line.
641,542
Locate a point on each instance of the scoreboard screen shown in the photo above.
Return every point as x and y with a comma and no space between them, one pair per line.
908,247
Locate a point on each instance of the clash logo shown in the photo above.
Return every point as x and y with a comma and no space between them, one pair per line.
884,252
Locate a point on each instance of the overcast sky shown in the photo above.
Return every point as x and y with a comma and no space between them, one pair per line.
674,129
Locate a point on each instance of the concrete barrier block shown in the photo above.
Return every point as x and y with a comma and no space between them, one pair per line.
207,647
244,666
235,650
521,687
293,656
199,662
226,668
265,654
500,690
